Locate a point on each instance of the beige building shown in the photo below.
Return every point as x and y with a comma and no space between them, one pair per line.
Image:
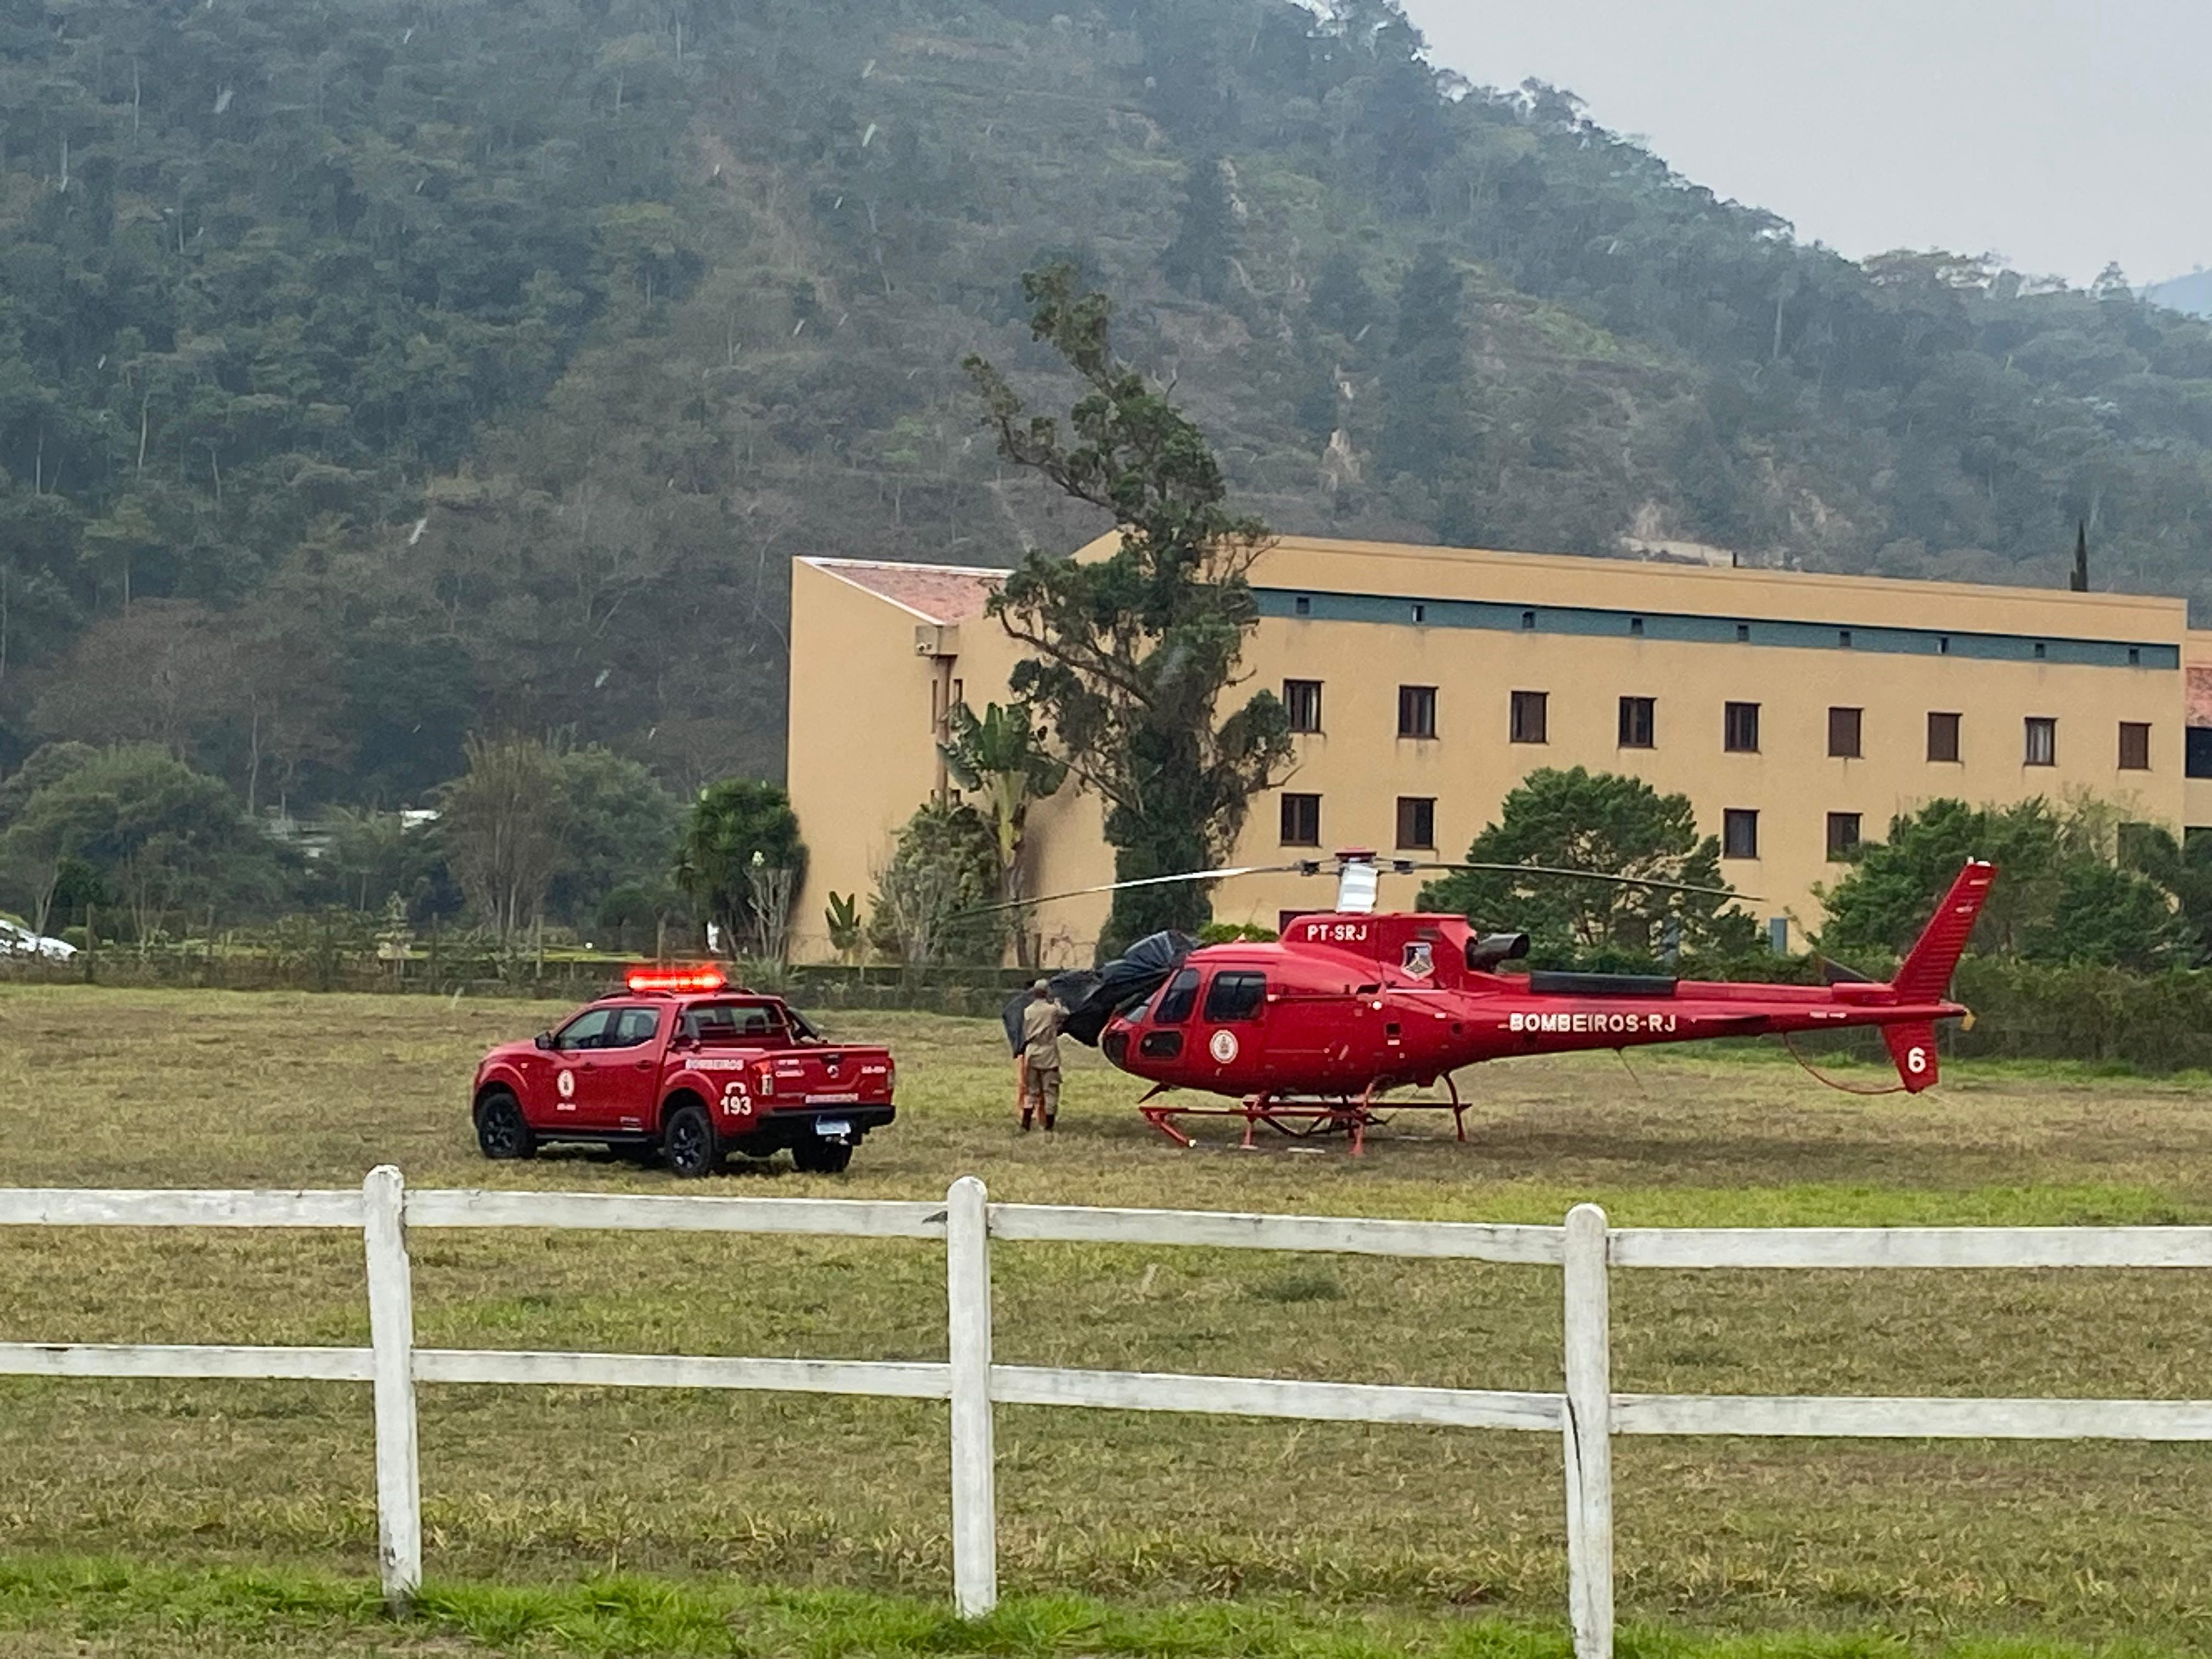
1797,712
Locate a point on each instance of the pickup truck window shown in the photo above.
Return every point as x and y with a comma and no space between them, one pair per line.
736,1022
585,1031
631,1027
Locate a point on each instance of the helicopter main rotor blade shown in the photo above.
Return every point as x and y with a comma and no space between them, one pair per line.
1586,875
1306,867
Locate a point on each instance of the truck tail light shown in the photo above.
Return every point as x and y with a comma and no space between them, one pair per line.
767,1079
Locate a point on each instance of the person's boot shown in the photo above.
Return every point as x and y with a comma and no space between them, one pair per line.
1050,1120
1026,1113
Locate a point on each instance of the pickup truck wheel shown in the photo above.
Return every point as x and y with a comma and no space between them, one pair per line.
688,1142
502,1132
821,1156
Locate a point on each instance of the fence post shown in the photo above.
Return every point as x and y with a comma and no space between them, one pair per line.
1588,1432
967,1334
391,1339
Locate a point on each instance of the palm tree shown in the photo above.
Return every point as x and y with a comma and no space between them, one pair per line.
1002,759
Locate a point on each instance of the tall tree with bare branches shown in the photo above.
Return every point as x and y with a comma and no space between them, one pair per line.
1132,655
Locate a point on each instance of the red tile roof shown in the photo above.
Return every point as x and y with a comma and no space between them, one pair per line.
938,592
2200,695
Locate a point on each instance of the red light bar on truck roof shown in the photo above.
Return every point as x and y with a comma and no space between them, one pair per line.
675,979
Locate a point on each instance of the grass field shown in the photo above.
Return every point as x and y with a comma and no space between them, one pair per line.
1327,1538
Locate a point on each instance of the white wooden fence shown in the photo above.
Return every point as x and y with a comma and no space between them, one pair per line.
1586,1413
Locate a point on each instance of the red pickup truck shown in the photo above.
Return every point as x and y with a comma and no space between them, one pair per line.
685,1064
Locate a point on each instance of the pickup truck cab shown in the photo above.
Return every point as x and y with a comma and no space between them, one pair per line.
680,1063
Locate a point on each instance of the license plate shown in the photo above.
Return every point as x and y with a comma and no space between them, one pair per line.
827,1126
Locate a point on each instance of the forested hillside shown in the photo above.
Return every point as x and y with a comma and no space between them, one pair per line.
378,372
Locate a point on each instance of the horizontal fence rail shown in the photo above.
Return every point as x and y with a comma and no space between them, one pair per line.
1585,1412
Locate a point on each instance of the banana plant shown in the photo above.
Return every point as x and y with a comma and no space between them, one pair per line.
843,917
1001,758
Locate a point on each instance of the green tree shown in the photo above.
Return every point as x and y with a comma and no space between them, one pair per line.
730,822
931,900
1198,260
1132,653
618,830
48,764
156,834
1425,424
1879,906
502,823
1340,299
2111,917
1609,824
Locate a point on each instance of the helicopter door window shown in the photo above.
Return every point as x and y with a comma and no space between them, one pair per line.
1176,1002
1235,995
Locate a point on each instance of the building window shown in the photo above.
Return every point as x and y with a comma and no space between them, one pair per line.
1637,722
1943,645
1527,619
1844,638
2134,656
1302,699
1417,711
2196,752
1740,833
1420,613
1301,820
1743,633
1740,728
2041,650
1417,823
1842,835
2042,748
2134,746
1529,716
1635,624
1942,737
1844,732
1303,605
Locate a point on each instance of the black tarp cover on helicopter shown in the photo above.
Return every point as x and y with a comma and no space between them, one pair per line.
1093,995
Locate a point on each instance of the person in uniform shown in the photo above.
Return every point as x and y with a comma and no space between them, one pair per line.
1040,1056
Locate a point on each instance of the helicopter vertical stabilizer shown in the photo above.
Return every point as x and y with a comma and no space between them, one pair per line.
1925,975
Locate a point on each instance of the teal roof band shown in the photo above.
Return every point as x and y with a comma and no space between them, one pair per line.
1584,622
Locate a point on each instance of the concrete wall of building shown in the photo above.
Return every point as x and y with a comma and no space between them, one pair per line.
1480,626
862,756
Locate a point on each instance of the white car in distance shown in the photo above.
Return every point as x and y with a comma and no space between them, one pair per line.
17,940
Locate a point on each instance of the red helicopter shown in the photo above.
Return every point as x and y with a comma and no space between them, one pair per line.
1307,1033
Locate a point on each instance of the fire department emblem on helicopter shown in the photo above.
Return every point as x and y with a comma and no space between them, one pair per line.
1223,1047
1420,959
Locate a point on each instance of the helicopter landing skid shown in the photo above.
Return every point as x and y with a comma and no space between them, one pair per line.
1301,1119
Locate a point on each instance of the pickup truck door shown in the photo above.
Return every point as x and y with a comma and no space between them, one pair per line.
618,1075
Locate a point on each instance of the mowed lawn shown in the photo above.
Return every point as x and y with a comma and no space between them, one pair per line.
803,1496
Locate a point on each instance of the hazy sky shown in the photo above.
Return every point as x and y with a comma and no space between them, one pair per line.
2059,133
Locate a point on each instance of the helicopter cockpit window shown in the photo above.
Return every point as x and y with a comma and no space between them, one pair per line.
1176,1002
1235,995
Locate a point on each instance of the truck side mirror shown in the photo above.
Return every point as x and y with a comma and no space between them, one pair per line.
544,1039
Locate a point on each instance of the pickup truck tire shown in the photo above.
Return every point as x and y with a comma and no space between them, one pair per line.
688,1141
501,1131
819,1156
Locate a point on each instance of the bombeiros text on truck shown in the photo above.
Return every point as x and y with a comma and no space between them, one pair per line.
681,1063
